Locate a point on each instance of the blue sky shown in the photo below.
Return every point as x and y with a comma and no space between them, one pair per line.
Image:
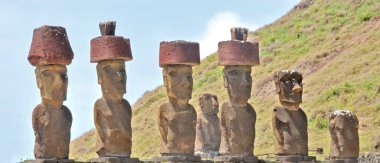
145,22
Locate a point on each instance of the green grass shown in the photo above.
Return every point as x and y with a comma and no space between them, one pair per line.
335,44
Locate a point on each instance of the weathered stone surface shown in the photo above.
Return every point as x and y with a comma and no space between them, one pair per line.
51,161
179,52
108,46
344,135
50,45
112,113
115,160
177,118
247,159
177,158
295,158
208,132
238,117
51,119
289,121
342,161
238,51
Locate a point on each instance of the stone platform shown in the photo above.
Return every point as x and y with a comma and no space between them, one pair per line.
115,160
225,158
177,158
50,161
296,158
342,161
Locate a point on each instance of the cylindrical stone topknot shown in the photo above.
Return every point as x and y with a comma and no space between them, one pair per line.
50,45
239,33
108,46
107,28
179,52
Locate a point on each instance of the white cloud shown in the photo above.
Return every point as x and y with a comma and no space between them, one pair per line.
218,29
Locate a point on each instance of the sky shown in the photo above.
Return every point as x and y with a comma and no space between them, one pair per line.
145,22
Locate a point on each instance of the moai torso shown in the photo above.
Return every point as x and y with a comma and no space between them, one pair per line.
238,129
344,135
52,131
178,126
292,126
208,127
113,123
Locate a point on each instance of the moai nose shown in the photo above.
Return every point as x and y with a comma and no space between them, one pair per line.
297,88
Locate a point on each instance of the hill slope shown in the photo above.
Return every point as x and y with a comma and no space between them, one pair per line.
335,44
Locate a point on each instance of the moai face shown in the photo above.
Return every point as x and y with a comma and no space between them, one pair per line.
178,81
209,103
344,135
289,86
112,78
238,81
52,81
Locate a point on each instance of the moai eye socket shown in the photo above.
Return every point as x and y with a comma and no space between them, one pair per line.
233,73
173,74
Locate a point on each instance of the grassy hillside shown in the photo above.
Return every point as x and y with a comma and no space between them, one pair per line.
334,43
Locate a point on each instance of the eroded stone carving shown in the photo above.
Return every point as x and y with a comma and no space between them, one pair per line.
177,118
112,113
238,117
289,121
208,134
344,135
50,52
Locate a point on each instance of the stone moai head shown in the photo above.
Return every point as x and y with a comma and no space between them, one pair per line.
289,86
344,135
209,103
111,52
177,59
238,56
50,52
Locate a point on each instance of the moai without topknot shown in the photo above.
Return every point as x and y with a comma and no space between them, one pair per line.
238,117
289,121
112,113
50,52
343,128
207,141
177,118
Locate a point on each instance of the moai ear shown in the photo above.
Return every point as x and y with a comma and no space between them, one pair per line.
38,78
165,78
277,83
98,69
225,81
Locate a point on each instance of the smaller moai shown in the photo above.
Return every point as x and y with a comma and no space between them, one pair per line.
177,118
238,117
289,121
343,128
207,141
50,52
112,113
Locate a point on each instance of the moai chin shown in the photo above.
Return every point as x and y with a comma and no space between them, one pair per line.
112,113
238,117
177,118
207,141
289,121
344,136
50,52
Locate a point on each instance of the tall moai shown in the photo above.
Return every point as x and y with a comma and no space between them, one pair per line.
289,121
343,126
207,140
112,113
177,118
238,117
50,52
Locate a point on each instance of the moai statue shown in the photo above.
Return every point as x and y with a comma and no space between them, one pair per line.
177,118
112,113
344,136
289,120
238,117
207,141
50,52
